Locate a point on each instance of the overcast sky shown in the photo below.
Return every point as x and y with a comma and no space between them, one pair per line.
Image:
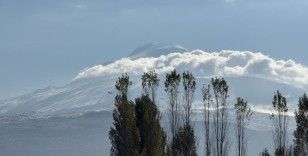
44,42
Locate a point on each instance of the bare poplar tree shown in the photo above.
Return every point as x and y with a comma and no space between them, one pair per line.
220,117
189,84
172,89
280,122
242,114
150,82
207,102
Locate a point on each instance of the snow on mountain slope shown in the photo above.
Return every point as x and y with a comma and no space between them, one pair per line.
156,49
253,76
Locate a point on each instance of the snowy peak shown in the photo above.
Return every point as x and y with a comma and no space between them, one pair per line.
156,49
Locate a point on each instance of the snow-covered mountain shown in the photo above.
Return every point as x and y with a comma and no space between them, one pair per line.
253,76
156,50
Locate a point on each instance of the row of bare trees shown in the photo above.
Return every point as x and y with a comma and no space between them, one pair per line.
280,119
182,139
216,119
216,130
137,130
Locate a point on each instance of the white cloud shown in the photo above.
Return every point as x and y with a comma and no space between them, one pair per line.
205,64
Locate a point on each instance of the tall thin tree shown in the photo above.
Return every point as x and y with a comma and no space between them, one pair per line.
189,84
280,123
207,103
184,143
220,117
242,116
301,132
152,135
172,82
124,134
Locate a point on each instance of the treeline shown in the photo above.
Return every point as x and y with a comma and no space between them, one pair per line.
137,130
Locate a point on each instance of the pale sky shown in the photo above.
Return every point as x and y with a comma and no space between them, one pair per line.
45,42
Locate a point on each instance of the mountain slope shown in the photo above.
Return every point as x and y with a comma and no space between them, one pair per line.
253,76
156,50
